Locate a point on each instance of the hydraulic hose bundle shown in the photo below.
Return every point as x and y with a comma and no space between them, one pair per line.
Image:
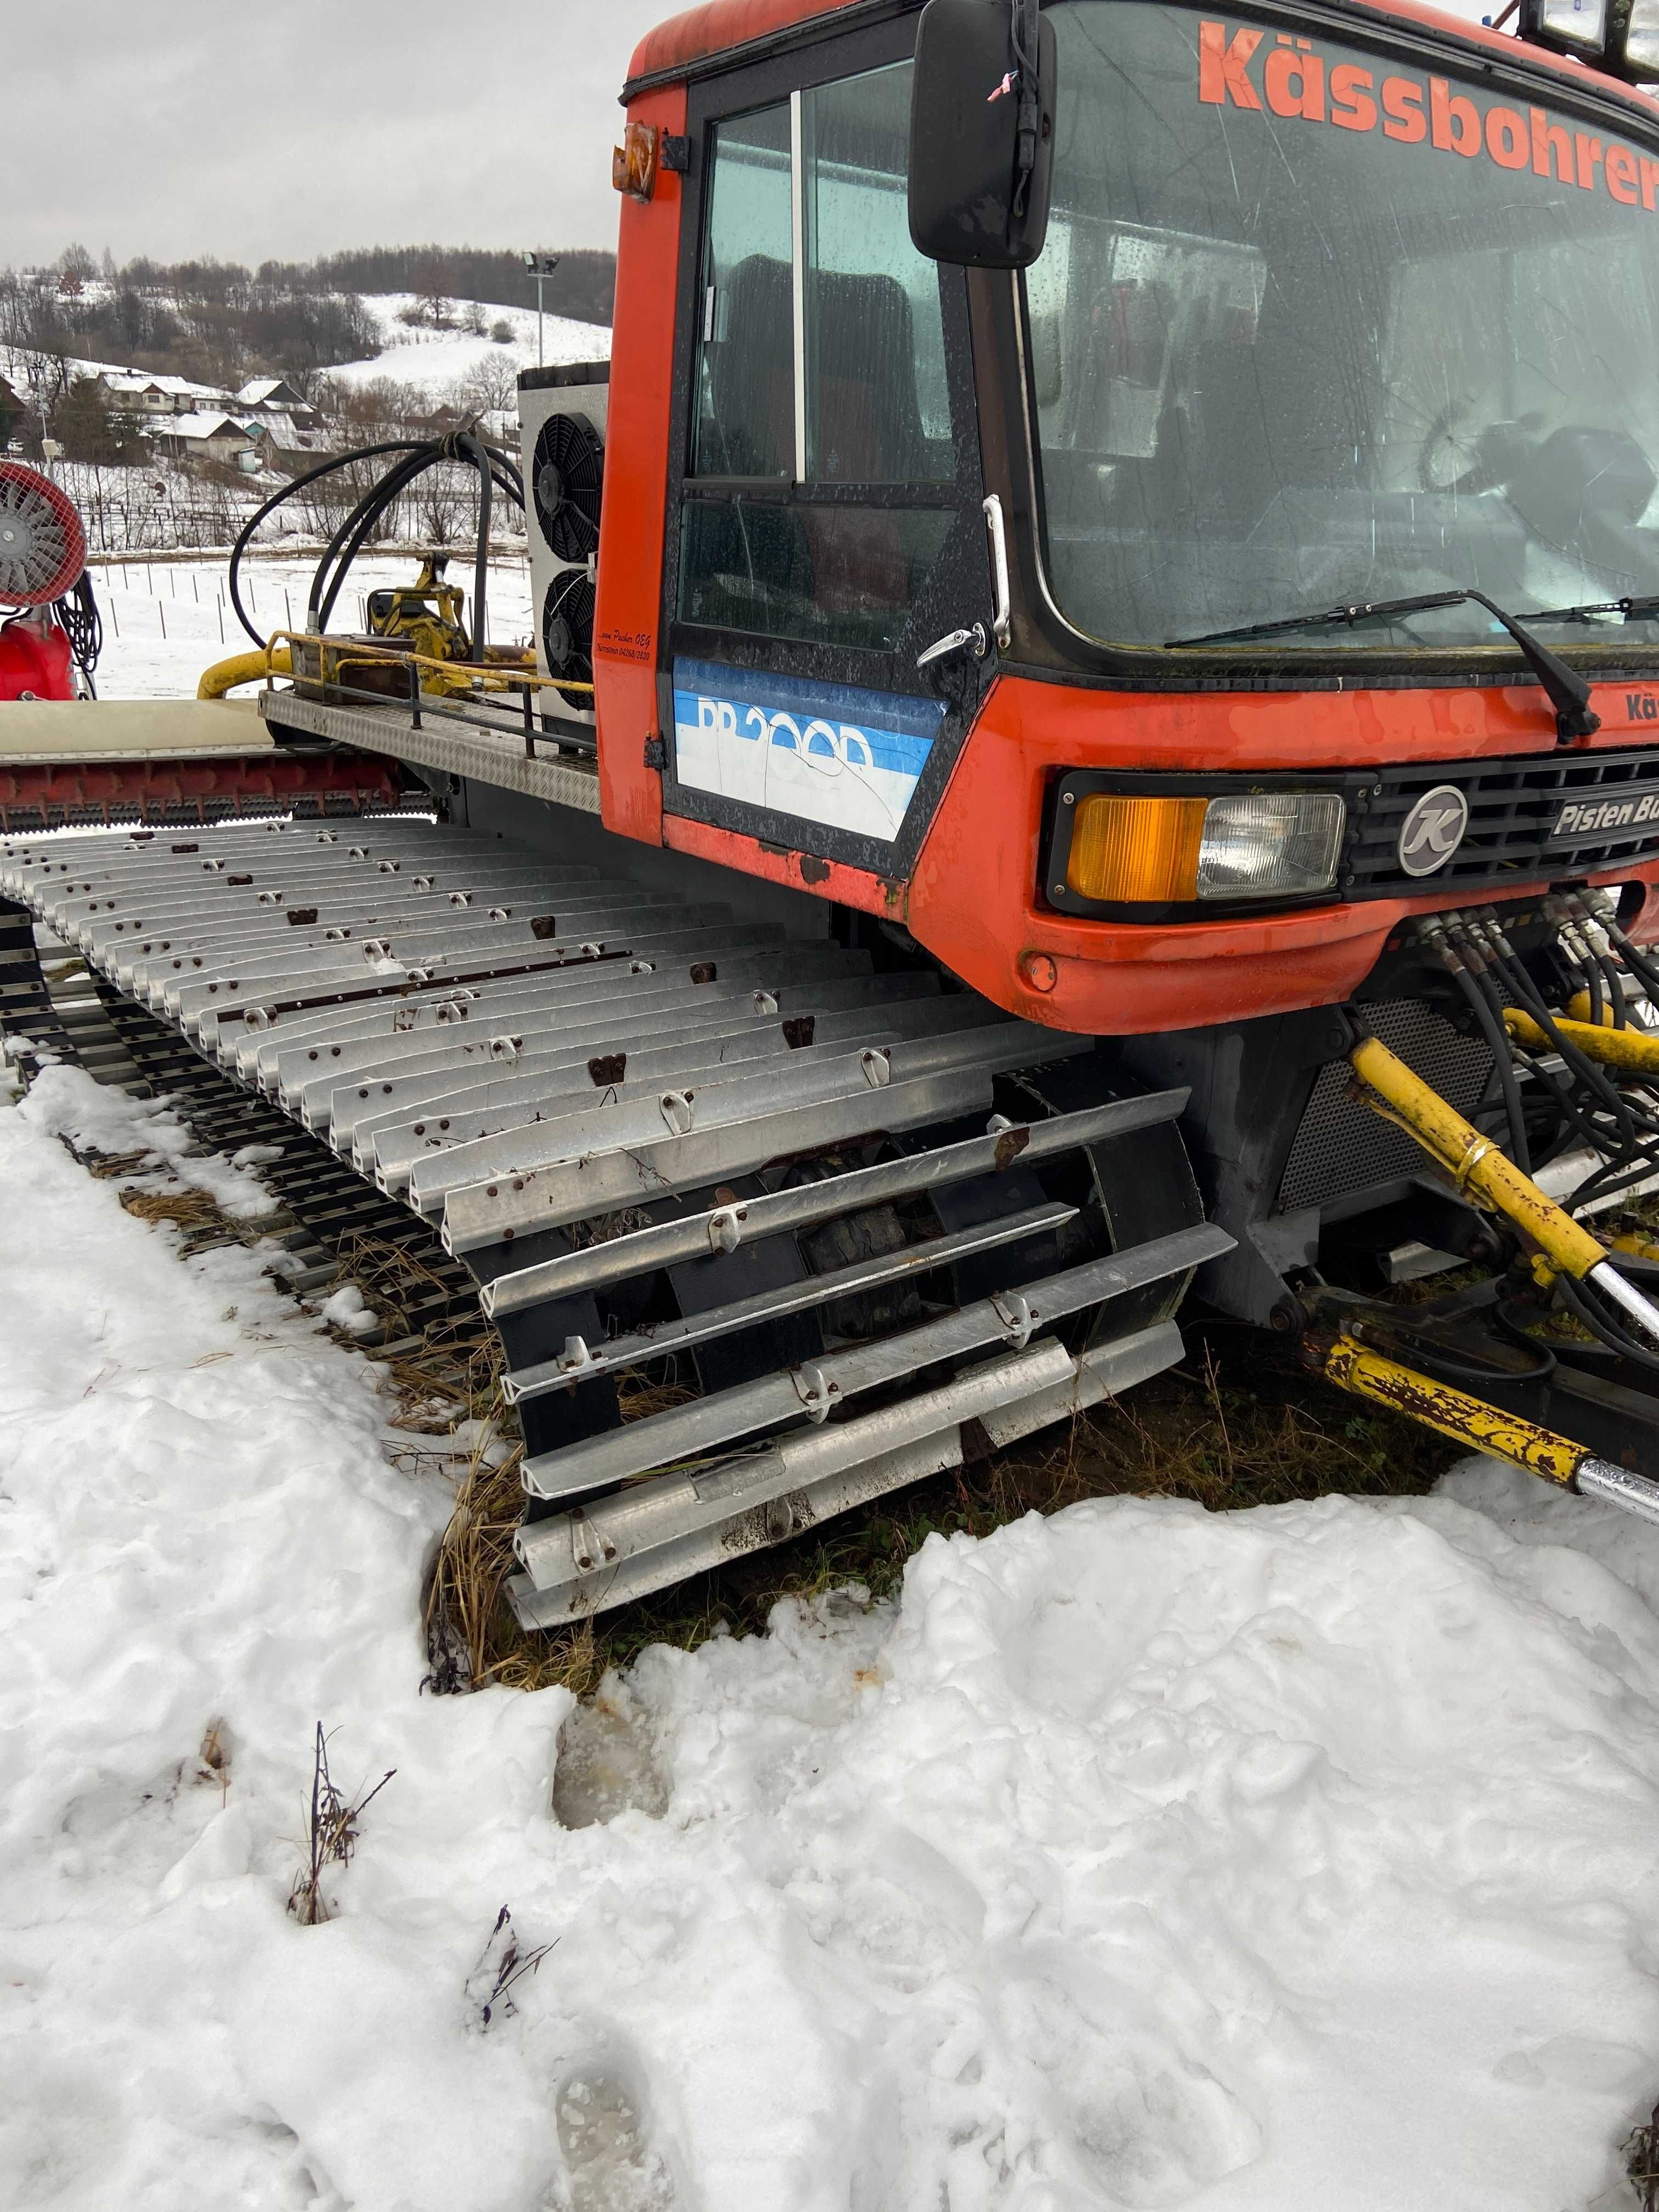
1563,1083
1565,1255
407,460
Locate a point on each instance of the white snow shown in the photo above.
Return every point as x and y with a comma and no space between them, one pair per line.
435,361
164,622
1140,1857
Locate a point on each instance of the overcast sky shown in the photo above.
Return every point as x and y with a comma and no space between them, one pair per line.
298,126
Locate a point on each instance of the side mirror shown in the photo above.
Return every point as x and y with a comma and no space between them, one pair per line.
981,132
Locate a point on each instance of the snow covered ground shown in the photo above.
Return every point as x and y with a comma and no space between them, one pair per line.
1305,1858
435,361
165,620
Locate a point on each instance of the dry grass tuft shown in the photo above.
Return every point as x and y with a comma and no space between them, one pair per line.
185,1209
330,1836
1641,2162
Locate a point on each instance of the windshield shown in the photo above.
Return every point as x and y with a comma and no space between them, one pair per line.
1311,325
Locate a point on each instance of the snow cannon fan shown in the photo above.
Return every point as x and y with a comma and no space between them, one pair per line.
43,558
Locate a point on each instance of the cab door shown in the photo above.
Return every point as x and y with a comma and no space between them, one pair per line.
824,509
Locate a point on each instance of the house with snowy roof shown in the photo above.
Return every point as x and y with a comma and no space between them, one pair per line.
211,437
133,392
274,393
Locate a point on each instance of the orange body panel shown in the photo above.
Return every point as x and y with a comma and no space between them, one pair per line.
725,26
721,26
972,899
630,596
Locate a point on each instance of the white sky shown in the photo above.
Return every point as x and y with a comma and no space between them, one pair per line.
301,126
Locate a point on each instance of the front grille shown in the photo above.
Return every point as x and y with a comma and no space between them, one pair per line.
1513,809
1341,1145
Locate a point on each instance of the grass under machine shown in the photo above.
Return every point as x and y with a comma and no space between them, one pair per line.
1093,740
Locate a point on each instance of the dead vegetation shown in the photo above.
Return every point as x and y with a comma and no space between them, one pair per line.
330,1836
488,1990
1642,2162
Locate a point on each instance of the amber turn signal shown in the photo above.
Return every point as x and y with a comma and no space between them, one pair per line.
1141,849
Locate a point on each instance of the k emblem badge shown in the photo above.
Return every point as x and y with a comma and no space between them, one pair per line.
1433,830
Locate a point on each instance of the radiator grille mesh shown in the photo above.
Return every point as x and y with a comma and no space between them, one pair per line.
1341,1145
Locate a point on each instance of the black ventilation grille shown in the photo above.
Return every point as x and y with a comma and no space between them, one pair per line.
1341,1145
1514,807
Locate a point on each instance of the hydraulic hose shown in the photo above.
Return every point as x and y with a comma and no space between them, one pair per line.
409,459
286,492
1503,1060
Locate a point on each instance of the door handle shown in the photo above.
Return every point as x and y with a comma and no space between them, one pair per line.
999,536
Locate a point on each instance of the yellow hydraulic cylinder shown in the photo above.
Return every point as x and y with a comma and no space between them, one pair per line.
1483,1428
1634,1051
1578,1010
1475,1163
1478,1166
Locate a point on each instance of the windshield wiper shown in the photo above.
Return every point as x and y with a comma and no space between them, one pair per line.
1567,690
1627,610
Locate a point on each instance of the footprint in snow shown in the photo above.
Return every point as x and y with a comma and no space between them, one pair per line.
611,2163
607,1762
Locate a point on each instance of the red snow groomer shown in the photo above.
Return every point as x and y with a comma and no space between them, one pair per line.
49,646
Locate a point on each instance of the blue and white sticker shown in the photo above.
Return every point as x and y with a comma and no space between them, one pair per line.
823,752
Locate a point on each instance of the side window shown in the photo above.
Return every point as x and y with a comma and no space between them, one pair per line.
745,387
876,409
821,365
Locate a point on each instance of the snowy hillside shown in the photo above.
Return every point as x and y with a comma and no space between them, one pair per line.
1141,1857
435,360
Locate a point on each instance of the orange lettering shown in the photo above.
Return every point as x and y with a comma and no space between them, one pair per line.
1306,97
1649,169
1402,100
1350,109
1456,121
1550,140
1588,151
1221,65
1506,138
1621,174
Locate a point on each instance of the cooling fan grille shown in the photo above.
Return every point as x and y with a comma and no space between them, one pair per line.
566,479
42,548
567,633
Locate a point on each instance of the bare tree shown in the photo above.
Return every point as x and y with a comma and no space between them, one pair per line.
431,280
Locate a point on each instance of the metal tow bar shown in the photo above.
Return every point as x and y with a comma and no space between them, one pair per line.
1470,1421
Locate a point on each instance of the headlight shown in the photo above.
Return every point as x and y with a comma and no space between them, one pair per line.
1572,27
1264,845
1139,851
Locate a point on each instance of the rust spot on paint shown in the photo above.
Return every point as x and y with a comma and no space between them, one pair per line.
813,870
